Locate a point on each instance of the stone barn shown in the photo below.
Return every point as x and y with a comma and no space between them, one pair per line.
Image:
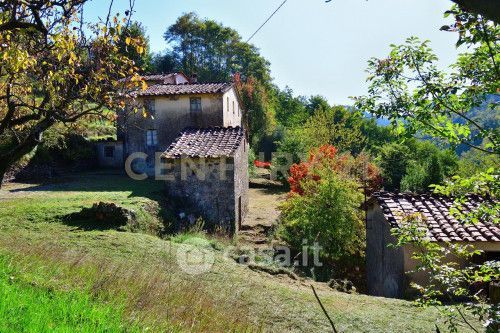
387,267
206,170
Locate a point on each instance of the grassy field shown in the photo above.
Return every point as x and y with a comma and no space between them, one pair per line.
28,307
83,273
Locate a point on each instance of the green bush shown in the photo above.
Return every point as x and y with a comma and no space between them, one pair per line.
415,165
252,170
328,213
394,159
415,177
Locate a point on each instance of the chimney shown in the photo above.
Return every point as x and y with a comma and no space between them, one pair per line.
194,78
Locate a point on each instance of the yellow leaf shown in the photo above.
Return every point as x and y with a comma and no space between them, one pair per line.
144,85
128,40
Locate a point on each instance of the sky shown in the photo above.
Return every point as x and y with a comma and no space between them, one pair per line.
315,48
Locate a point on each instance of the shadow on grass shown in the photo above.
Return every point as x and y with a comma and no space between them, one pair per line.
86,224
106,182
267,187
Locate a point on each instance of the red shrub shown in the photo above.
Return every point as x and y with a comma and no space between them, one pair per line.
325,157
264,165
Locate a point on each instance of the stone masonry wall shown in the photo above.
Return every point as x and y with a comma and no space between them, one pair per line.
211,198
241,183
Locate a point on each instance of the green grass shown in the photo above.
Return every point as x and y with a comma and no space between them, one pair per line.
140,273
26,307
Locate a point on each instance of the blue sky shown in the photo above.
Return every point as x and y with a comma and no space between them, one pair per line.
314,47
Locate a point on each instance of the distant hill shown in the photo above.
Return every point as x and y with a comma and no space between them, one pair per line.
487,115
380,121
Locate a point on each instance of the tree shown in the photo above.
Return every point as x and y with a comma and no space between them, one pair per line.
291,111
434,171
420,174
134,34
218,54
336,126
414,165
375,135
164,63
487,8
325,200
51,72
258,101
408,88
214,52
394,159
474,161
415,177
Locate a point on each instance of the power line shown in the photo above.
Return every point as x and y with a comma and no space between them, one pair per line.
269,18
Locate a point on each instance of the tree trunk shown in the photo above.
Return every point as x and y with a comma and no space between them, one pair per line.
7,159
3,171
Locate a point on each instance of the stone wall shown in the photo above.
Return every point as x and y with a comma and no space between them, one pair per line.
241,183
205,194
110,154
214,195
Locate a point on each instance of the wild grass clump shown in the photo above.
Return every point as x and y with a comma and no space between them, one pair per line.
153,294
196,235
28,307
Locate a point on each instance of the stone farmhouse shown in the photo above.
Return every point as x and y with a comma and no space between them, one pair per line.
387,268
185,132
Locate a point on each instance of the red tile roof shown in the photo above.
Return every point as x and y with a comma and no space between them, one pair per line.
206,142
442,226
184,89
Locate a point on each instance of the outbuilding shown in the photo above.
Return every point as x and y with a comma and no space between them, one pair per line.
206,170
387,267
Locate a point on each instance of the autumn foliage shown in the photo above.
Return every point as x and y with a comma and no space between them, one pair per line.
262,165
327,158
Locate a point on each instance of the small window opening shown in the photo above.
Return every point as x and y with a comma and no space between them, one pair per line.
151,138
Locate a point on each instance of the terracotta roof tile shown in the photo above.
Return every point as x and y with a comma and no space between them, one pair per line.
206,142
442,226
184,89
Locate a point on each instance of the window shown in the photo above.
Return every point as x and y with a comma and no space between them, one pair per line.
109,151
196,104
233,108
150,106
227,103
151,138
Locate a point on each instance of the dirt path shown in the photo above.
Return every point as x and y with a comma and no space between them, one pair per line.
263,206
264,199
